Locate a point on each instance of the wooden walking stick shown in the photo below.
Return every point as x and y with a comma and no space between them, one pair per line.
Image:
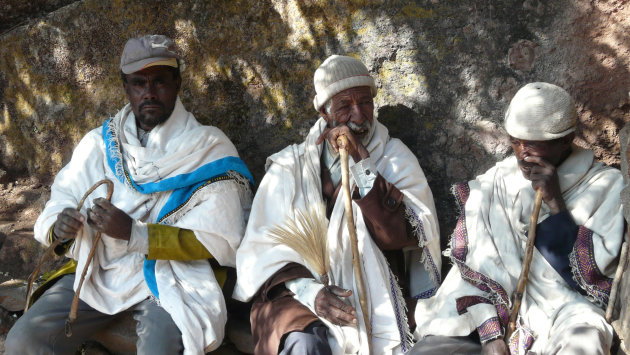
342,141
614,290
56,242
527,261
75,301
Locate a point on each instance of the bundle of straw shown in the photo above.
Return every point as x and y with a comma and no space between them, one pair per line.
306,234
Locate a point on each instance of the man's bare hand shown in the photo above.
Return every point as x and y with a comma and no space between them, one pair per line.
495,347
354,147
108,219
544,177
330,306
69,223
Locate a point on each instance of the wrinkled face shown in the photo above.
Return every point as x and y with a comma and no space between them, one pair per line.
553,151
152,93
353,107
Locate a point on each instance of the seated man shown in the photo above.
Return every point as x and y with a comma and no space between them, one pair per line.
578,238
180,197
395,221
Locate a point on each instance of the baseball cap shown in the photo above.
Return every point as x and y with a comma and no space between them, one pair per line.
146,51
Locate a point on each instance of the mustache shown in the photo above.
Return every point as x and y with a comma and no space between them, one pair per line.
152,103
362,128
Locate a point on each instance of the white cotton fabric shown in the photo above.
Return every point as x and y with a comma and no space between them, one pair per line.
338,73
540,112
188,290
293,183
497,217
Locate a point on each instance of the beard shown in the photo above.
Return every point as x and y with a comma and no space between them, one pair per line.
152,119
363,131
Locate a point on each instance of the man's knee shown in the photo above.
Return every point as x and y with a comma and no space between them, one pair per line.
23,339
313,340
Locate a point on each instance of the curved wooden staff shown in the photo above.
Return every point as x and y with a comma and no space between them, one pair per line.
342,141
614,290
75,301
56,242
527,261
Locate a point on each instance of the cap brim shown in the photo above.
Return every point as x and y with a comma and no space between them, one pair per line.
141,64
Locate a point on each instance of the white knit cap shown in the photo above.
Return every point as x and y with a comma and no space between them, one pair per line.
338,73
540,112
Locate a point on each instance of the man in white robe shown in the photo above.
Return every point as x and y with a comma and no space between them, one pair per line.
395,219
180,197
578,238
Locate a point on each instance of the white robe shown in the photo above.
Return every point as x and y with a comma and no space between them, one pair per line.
293,183
216,213
489,242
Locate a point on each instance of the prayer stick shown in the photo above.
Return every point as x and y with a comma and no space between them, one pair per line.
614,291
527,261
56,242
342,141
75,301
33,276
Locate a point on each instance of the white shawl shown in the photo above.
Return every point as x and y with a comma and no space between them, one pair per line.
216,213
488,244
293,183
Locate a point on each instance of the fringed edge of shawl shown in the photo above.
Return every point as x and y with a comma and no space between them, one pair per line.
585,270
115,152
400,307
244,194
515,339
425,258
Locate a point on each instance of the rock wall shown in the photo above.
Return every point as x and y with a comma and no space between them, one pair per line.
445,72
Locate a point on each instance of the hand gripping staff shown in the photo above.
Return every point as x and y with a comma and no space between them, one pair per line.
527,261
342,141
75,301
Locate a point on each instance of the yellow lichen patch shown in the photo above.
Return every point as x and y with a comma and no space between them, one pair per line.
415,11
5,118
23,106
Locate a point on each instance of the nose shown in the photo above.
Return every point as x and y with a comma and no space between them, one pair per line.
521,151
356,115
150,92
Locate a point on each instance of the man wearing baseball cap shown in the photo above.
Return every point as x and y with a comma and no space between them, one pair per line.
396,224
180,198
578,238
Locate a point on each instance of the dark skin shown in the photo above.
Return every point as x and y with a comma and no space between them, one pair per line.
152,93
353,105
351,113
538,161
357,106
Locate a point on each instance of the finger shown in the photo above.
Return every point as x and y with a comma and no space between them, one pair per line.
64,231
103,204
94,219
70,223
341,317
322,137
338,291
71,213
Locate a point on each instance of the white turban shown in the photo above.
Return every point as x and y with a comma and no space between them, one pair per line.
338,73
540,112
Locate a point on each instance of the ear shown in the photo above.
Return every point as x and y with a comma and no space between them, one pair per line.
324,114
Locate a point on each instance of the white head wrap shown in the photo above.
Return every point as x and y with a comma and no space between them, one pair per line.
540,112
338,73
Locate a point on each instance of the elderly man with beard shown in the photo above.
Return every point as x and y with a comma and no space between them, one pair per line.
578,239
293,313
181,195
